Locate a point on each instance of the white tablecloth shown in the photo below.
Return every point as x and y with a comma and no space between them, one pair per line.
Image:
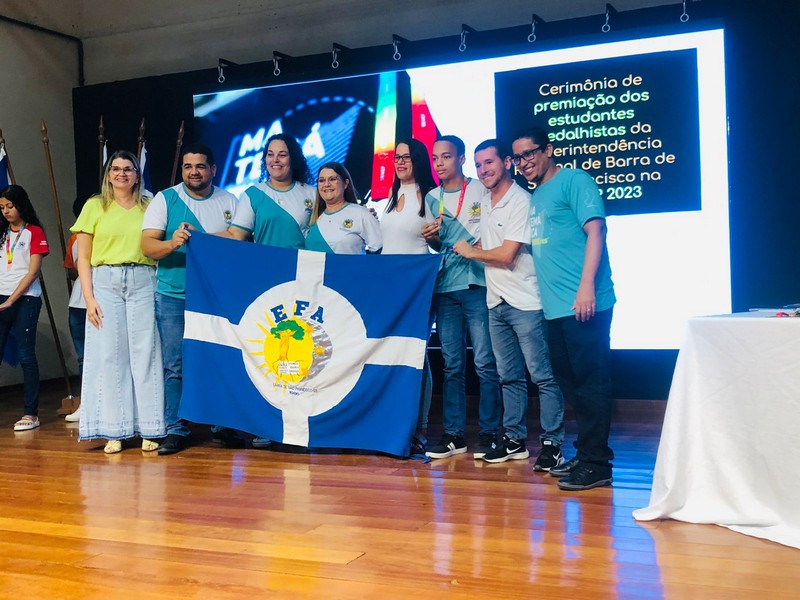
730,447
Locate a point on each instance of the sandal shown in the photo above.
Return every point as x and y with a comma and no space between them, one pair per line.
26,423
113,446
149,445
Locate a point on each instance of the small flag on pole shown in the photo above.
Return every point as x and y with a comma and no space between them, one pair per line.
4,178
146,182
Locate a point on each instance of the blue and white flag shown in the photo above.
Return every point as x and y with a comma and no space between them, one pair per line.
4,178
306,348
147,184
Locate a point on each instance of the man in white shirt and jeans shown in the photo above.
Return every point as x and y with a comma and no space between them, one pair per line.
517,325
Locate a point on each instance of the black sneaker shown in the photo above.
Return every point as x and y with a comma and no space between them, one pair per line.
550,456
418,445
564,469
585,476
507,449
228,438
486,443
171,445
449,445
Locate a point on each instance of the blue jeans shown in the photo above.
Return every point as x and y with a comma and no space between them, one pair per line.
170,321
22,318
519,338
456,313
77,330
122,390
581,357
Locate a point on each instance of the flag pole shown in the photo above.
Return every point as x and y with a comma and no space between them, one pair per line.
140,140
67,404
53,192
101,139
178,146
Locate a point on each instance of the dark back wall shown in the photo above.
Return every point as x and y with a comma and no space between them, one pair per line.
762,46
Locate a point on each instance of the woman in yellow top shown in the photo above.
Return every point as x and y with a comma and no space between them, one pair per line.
122,393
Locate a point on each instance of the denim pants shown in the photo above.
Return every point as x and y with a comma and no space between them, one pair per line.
170,319
456,313
122,392
77,330
581,357
22,318
519,338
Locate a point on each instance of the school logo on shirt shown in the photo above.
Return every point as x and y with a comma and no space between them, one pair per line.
227,215
348,224
475,212
309,204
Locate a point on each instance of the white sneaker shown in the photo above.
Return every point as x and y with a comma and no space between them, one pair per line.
74,417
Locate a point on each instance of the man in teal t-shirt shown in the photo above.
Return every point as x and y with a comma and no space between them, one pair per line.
171,215
568,242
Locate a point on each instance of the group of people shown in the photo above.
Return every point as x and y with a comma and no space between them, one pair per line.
526,276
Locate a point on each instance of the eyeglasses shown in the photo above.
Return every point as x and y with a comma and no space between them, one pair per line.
118,170
401,158
527,155
323,181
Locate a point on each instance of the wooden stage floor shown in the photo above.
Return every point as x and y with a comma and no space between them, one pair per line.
217,523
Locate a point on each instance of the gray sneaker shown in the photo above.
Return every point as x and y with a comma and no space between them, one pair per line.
585,476
261,443
564,469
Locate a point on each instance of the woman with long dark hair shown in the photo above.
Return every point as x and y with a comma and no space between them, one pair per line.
25,245
339,224
122,392
406,212
401,225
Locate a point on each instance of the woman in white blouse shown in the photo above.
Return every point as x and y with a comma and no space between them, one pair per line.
401,226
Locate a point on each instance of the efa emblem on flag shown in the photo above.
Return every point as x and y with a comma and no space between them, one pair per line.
299,348
295,346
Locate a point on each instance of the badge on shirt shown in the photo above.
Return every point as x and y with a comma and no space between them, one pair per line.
475,212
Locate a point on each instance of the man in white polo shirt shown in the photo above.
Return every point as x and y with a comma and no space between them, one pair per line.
516,322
